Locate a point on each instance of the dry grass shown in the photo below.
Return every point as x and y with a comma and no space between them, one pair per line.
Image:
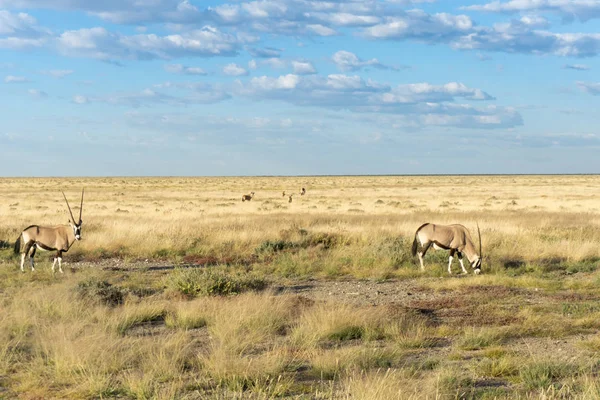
525,329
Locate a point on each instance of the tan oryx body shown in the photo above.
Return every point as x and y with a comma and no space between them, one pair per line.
302,192
248,197
455,238
58,238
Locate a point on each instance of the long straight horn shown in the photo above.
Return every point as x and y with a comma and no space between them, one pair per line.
479,233
81,206
70,212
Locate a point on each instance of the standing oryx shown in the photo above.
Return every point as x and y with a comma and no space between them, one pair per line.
455,238
58,238
248,197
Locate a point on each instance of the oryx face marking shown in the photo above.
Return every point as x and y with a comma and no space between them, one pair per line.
77,231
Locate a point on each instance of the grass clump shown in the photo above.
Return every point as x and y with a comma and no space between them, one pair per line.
544,374
100,292
274,246
207,282
351,332
475,339
146,315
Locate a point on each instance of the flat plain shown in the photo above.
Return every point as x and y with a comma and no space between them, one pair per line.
179,290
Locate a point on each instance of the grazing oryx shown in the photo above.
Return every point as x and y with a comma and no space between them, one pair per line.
50,238
455,238
302,192
248,197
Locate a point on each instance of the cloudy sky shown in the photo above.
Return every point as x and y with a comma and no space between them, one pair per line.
293,87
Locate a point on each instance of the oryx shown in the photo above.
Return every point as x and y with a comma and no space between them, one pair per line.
455,238
248,197
302,192
58,238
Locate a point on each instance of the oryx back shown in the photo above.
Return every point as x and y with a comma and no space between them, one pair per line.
447,237
48,237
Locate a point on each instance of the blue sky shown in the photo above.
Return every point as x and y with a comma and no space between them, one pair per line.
294,87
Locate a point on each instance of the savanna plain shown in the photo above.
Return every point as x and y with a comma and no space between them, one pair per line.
179,290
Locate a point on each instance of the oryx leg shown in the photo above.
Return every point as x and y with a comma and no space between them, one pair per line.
59,259
452,251
460,258
24,253
33,249
421,254
59,256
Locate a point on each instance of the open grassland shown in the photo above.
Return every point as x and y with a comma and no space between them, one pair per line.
181,290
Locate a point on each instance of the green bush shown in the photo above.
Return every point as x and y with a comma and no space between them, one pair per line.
101,292
542,375
274,246
208,282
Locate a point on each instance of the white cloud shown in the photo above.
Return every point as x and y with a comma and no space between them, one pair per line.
347,61
592,88
79,99
17,24
303,68
15,79
265,52
104,45
423,103
182,69
234,70
417,24
38,94
252,65
265,83
20,31
201,94
581,9
578,67
321,30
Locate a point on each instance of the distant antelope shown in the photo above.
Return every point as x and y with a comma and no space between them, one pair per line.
290,198
283,194
455,238
248,197
58,238
302,192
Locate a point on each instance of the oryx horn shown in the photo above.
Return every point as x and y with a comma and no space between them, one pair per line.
71,212
81,206
479,233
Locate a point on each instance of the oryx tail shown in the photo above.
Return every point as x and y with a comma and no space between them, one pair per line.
17,248
415,245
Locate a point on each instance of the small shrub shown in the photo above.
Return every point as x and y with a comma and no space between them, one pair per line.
185,321
351,332
204,282
274,246
134,318
542,375
476,339
100,291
